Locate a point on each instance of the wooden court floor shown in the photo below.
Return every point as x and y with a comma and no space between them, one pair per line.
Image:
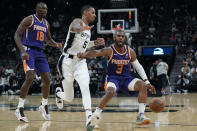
180,114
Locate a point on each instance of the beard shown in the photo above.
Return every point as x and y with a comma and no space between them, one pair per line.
120,45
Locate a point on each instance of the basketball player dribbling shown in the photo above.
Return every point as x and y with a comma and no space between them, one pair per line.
30,36
120,57
70,67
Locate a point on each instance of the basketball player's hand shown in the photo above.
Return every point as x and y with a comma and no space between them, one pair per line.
80,55
59,45
151,88
99,41
25,56
87,27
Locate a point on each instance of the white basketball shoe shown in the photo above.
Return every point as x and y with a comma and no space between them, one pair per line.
59,101
45,112
20,114
143,120
93,122
95,118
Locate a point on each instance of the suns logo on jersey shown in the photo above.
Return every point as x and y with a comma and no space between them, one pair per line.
40,28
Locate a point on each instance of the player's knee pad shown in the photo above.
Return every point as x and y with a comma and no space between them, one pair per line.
112,85
132,84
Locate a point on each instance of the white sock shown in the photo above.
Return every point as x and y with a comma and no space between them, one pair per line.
44,101
98,110
142,107
21,102
61,95
88,113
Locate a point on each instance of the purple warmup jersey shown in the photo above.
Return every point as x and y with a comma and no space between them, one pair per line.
119,64
35,35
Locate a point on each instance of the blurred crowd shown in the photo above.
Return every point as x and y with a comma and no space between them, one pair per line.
187,79
161,22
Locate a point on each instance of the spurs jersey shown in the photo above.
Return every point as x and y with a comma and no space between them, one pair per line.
77,42
119,64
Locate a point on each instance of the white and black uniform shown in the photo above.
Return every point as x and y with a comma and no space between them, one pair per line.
71,67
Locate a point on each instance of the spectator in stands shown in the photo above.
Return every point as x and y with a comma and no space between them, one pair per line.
2,70
13,84
186,70
1,84
57,81
174,29
5,84
90,71
194,71
20,74
152,29
9,70
162,75
183,83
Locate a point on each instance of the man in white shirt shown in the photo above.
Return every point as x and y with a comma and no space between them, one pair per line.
162,75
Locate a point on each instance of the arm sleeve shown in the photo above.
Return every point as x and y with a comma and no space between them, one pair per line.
140,71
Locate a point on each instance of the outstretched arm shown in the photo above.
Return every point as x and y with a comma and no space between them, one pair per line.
140,71
77,26
50,40
106,52
98,41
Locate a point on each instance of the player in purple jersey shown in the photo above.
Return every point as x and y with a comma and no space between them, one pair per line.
30,36
120,57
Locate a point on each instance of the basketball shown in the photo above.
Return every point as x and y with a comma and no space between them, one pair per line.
156,105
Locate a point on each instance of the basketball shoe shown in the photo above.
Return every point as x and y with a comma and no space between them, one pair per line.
45,113
89,126
59,101
142,120
20,114
93,121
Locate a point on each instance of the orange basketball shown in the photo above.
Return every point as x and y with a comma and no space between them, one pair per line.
156,105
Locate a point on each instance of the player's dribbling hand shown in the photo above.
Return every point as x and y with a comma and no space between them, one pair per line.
151,88
87,27
25,56
99,41
80,55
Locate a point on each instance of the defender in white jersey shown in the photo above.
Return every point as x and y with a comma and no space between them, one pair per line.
71,67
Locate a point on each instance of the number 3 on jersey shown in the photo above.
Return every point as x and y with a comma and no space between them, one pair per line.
85,44
119,69
40,36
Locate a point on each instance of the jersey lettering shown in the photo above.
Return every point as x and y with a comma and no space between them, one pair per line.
83,34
